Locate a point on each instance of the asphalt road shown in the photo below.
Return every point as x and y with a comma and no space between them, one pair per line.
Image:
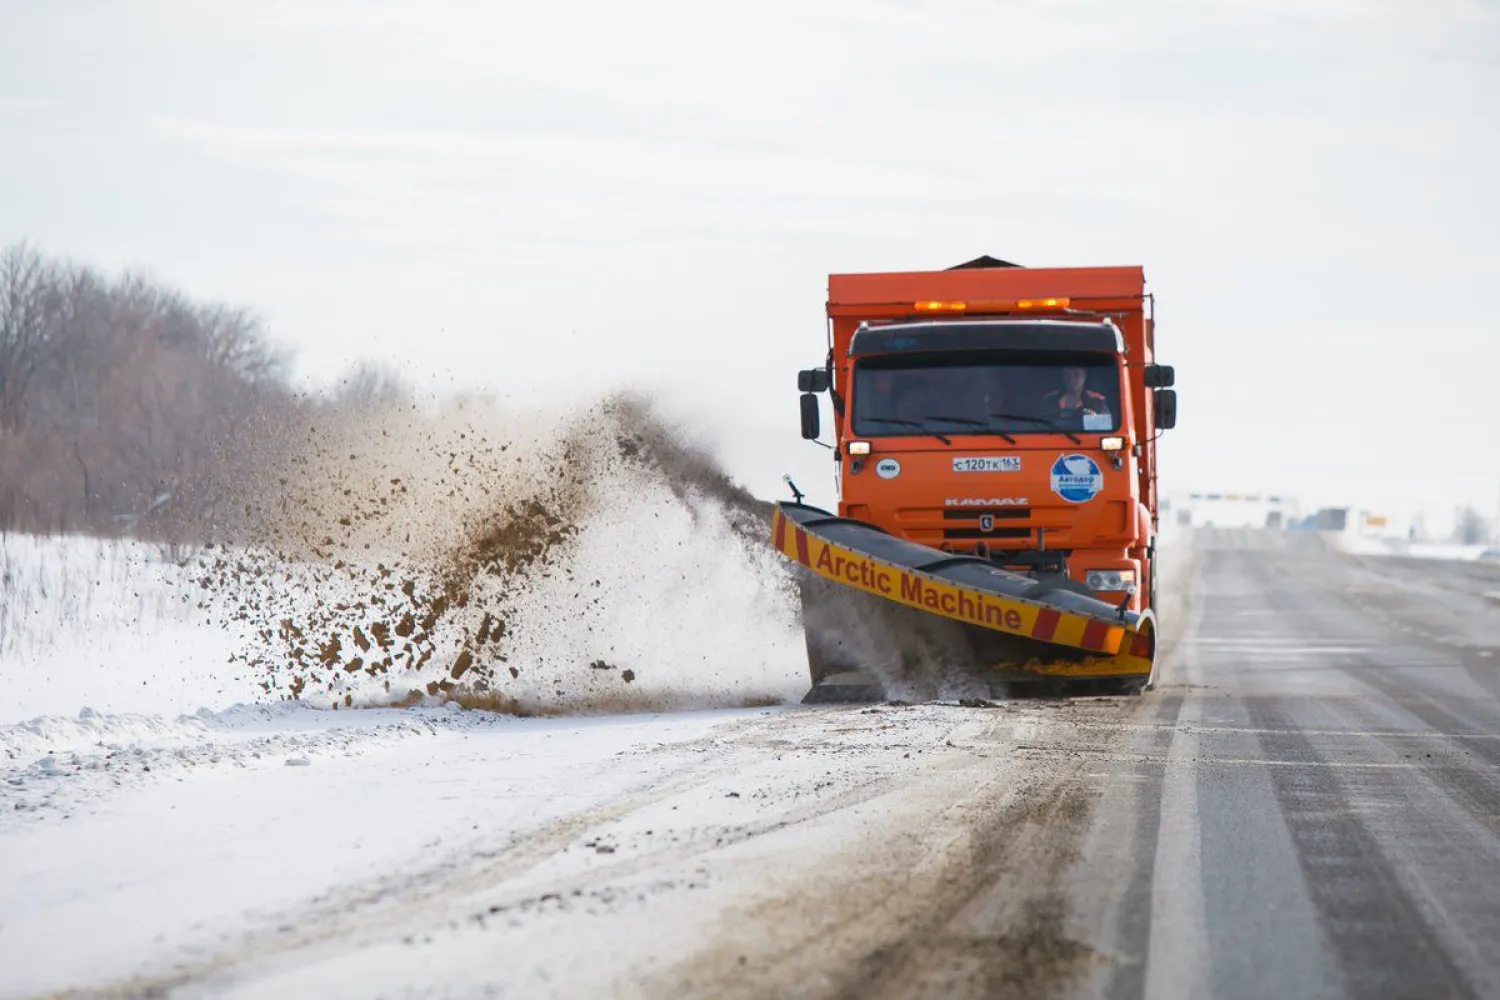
1310,805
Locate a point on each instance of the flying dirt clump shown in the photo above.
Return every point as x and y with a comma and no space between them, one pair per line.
495,559
692,475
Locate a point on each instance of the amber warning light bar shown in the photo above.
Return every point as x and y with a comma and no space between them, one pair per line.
990,305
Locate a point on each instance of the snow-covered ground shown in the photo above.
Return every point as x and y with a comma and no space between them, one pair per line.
169,828
178,837
109,626
164,805
163,815
291,852
171,824
280,850
161,846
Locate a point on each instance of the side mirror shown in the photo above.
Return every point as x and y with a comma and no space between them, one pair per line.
1166,409
810,425
813,380
1160,376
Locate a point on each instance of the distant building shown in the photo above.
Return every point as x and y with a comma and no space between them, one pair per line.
1353,521
1332,519
1235,510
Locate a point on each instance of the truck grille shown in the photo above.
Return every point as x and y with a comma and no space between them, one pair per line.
962,524
998,513
1012,528
979,534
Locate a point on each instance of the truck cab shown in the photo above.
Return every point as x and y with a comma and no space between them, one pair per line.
1002,412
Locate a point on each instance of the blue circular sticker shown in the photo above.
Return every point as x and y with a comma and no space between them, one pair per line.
1076,478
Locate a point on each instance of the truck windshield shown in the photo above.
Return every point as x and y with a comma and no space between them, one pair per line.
993,394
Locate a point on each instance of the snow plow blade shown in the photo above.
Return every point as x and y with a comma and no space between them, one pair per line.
885,618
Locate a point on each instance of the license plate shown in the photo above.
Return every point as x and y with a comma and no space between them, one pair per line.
999,463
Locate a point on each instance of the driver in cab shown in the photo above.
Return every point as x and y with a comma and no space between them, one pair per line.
1075,399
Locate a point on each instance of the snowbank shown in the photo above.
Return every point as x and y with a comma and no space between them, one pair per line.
1366,545
110,624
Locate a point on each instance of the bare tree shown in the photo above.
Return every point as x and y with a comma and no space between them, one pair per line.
121,402
370,385
23,279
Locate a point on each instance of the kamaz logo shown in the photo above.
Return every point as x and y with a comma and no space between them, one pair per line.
986,522
985,502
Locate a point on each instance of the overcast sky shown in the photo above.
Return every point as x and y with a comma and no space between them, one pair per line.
562,197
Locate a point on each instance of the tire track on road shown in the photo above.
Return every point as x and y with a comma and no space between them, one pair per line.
1473,787
980,941
1362,904
430,897
966,900
1385,913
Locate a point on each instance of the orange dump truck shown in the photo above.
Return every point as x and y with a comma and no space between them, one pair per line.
995,437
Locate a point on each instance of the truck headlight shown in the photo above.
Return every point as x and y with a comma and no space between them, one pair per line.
1110,580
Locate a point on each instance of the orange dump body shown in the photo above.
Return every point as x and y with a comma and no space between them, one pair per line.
1087,498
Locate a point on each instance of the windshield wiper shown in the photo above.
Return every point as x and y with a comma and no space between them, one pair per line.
905,423
1040,420
970,423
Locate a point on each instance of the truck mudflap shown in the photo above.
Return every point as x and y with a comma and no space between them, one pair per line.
926,623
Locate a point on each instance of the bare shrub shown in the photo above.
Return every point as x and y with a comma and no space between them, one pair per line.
126,407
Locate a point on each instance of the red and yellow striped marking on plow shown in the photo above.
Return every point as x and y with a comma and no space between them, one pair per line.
1135,656
1122,649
